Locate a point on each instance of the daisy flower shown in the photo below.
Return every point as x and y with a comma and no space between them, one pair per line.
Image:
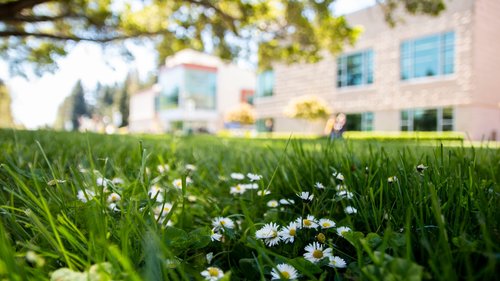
341,187
219,223
284,271
421,168
326,223
285,201
309,222
340,177
114,197
237,176
190,167
289,232
212,273
250,186
269,233
86,195
238,189
342,230
215,236
254,177
163,168
315,253
113,207
117,181
305,196
273,204
319,185
263,192
178,182
156,191
209,257
345,194
337,262
102,181
392,179
350,210
162,210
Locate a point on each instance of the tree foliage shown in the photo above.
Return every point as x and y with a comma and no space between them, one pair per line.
38,31
6,119
307,107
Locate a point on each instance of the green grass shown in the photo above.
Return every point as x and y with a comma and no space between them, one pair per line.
439,224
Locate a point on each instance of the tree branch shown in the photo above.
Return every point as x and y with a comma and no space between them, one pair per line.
10,9
62,37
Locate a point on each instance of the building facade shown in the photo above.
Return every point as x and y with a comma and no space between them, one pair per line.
194,93
426,74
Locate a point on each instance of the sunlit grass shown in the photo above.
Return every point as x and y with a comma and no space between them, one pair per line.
439,221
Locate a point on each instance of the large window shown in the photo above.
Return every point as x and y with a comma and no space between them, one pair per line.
171,82
429,56
265,84
200,88
355,69
359,122
440,119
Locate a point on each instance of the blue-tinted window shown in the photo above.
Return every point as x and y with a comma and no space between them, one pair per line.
434,119
355,69
359,122
428,56
200,88
265,84
171,84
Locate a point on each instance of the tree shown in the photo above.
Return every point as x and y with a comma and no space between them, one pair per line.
310,108
72,109
243,114
38,31
6,119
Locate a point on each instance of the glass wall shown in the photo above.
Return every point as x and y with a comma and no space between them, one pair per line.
428,56
200,88
171,83
359,122
355,69
436,119
265,84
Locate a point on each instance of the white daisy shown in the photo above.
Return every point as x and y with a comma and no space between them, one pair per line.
238,189
114,197
162,210
215,236
209,257
113,207
392,179
340,177
263,192
250,185
342,230
156,191
309,222
273,204
190,167
289,232
178,182
350,210
341,187
163,168
254,177
305,196
269,233
345,194
212,273
117,181
337,262
86,195
319,185
220,223
326,223
287,201
284,271
421,168
237,176
315,253
100,181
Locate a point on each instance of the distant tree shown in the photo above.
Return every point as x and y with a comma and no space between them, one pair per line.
309,107
243,114
63,116
6,119
122,103
79,108
37,31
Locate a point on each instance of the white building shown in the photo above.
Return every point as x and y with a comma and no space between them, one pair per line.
194,93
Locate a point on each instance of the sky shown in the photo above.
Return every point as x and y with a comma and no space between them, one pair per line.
35,100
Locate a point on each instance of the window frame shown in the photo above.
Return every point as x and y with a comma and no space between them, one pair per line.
367,58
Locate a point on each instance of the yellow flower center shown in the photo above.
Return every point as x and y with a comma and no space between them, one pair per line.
318,254
307,222
321,238
238,187
212,271
326,224
274,234
222,222
285,275
292,232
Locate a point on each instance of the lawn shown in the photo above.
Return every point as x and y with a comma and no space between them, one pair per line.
93,207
